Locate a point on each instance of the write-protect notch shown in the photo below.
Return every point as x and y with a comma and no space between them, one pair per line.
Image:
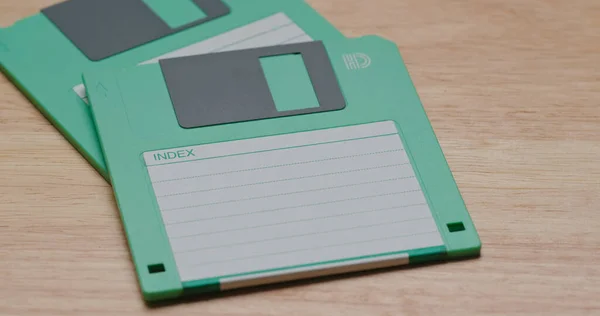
232,87
101,29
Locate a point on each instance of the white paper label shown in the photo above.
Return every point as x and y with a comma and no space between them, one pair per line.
280,201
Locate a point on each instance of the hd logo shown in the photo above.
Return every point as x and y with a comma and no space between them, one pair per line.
357,61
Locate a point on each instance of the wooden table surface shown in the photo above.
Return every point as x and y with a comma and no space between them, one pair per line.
512,88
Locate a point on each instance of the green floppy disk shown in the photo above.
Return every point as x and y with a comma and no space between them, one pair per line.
271,164
45,54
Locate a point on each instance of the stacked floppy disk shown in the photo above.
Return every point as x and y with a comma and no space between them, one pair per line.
247,142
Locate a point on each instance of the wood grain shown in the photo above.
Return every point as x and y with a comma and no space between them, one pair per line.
512,88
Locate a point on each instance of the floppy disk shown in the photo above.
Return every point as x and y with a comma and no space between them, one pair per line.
45,54
272,164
